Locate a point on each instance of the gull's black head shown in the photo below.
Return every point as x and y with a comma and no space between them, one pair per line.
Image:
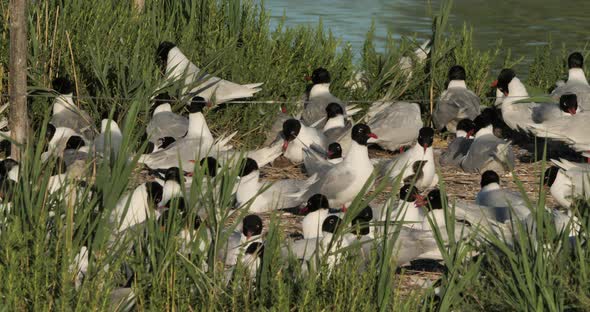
62,85
333,110
211,164
75,142
334,150
316,202
248,166
165,142
155,192
489,177
361,133
291,129
575,60
50,132
568,103
160,99
172,174
320,75
504,78
366,214
162,54
252,226
457,72
435,199
426,137
466,125
331,224
408,193
255,248
550,175
482,121
197,105
6,165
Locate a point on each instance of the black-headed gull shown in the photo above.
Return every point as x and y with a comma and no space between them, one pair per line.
137,206
576,82
297,137
415,165
320,161
65,112
395,123
458,148
258,196
164,122
494,196
568,181
456,102
314,109
176,66
487,152
345,180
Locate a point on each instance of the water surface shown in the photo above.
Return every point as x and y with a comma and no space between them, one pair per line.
522,25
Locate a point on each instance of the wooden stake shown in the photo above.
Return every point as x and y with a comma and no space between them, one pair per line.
18,118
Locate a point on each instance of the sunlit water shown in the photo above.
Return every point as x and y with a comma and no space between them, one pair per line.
522,25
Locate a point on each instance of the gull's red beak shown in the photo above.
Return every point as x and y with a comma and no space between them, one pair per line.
373,135
192,161
470,133
421,201
248,235
188,174
330,153
572,111
283,109
209,104
494,84
285,145
425,146
303,210
344,209
307,78
505,93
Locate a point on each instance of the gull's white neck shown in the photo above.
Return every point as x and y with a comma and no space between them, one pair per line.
166,107
112,124
517,91
490,187
356,152
177,63
319,90
461,134
577,74
248,187
457,84
312,223
334,123
63,102
485,131
197,127
13,173
170,190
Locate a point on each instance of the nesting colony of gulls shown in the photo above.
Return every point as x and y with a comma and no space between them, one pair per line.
332,149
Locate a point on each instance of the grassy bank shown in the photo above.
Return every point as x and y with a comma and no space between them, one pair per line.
109,50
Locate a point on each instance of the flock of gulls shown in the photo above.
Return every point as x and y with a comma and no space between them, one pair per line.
332,148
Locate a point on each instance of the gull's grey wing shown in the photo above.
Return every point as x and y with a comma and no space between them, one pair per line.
454,105
166,124
396,124
455,152
315,109
488,153
78,121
